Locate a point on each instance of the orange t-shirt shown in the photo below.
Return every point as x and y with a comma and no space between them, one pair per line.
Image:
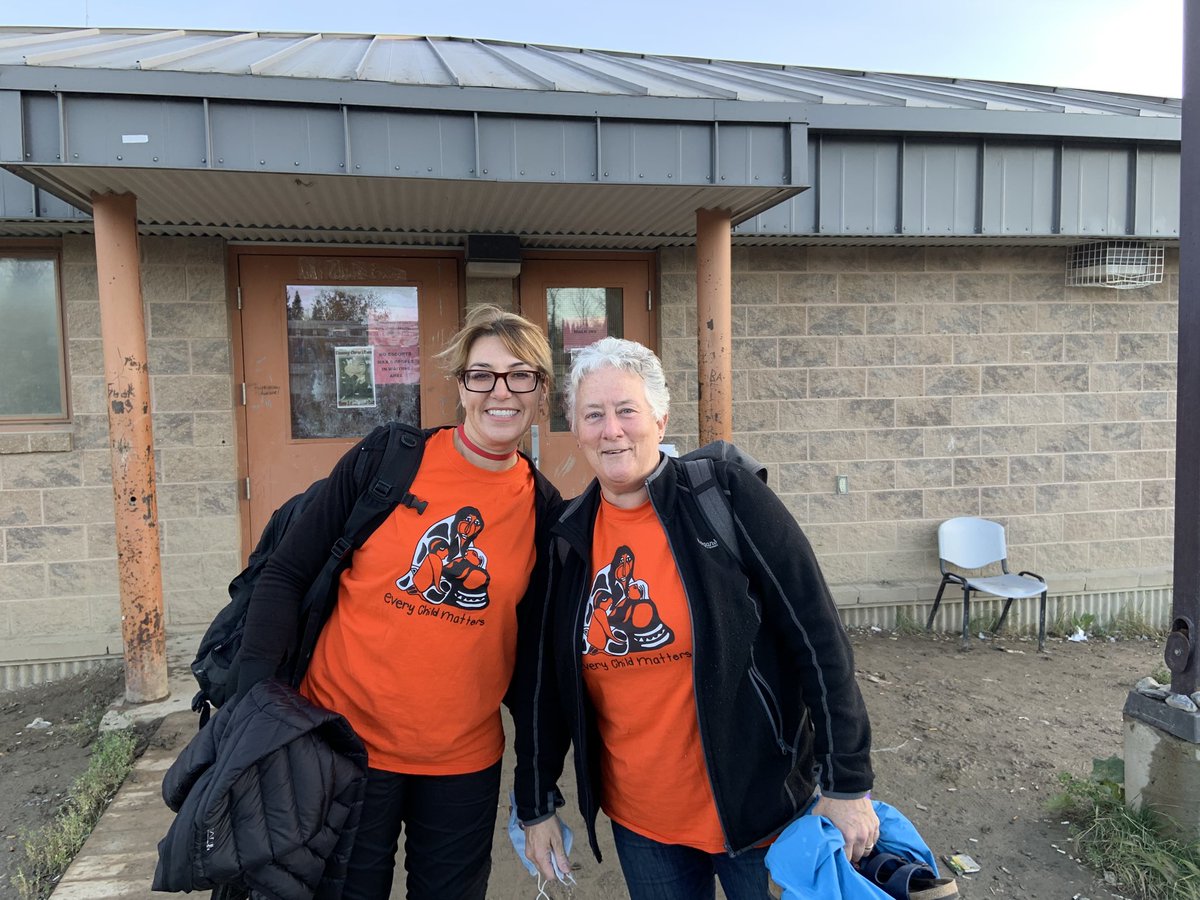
420,647
637,668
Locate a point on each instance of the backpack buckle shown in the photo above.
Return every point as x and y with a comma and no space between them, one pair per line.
340,548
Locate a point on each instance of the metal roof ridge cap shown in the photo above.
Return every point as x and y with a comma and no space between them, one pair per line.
441,59
561,55
41,59
1015,92
47,38
919,89
165,58
1094,97
1083,100
761,84
717,92
862,82
813,77
957,86
259,66
495,54
361,67
1133,101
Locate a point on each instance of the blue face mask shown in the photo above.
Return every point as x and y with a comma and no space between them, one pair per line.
516,834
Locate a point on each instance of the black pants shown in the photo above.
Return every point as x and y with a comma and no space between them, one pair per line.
447,822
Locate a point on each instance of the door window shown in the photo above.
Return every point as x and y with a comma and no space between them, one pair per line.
578,316
353,358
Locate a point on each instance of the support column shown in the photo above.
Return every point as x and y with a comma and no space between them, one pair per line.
1162,743
714,329
1182,643
131,440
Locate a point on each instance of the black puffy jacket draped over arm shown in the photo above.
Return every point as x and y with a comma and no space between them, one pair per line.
268,797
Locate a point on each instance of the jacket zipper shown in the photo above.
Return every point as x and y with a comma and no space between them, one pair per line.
692,625
585,789
770,705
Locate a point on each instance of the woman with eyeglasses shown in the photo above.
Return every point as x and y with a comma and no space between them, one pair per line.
436,619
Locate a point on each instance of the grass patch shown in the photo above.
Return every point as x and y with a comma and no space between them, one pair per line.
1129,849
1130,623
50,850
906,623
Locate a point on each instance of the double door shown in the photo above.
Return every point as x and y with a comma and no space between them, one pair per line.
332,345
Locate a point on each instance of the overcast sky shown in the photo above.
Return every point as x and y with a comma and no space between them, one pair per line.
1118,45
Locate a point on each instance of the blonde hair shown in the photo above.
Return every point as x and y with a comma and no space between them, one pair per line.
520,337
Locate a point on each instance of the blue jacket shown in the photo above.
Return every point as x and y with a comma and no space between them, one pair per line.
808,860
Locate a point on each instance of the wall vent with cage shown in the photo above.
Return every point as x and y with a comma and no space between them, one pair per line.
1115,264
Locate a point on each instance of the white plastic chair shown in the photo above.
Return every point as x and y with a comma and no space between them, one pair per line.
972,543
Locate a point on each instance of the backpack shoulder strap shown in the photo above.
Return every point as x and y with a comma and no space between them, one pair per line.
714,505
387,489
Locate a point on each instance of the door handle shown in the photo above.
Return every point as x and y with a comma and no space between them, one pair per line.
534,446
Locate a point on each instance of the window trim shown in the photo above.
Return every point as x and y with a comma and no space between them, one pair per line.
35,250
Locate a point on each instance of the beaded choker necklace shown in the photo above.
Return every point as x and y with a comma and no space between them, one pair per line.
486,454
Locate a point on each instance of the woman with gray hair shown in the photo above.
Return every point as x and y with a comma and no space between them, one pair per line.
709,703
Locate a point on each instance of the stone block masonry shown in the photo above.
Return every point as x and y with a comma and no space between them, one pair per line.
942,382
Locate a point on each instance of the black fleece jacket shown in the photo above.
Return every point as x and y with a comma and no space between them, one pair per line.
779,710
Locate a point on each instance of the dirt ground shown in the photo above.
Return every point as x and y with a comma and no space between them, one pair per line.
39,763
967,744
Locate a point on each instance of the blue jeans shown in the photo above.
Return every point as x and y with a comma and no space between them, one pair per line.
655,871
447,822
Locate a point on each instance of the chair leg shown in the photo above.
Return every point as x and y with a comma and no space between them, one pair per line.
1042,624
1003,615
966,616
936,601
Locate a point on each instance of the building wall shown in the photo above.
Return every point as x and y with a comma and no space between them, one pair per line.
940,381
58,573
946,382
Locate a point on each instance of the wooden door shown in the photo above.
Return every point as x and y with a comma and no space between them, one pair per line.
579,301
330,347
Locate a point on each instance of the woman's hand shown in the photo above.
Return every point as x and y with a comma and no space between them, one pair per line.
855,819
544,843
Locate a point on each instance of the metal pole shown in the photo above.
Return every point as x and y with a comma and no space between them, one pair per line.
123,334
1180,652
714,329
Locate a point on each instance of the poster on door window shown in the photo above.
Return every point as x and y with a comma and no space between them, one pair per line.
578,332
355,376
394,337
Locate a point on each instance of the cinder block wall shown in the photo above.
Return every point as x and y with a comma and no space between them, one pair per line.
944,382
58,574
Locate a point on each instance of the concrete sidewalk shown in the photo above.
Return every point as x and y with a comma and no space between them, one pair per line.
119,856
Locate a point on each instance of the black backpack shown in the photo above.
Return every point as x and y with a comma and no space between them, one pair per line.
714,504
216,663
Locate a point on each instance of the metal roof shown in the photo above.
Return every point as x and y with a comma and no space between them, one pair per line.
451,62
388,138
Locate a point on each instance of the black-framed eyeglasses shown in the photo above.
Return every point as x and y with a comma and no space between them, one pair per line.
480,381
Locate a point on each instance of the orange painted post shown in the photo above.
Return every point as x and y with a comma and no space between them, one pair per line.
131,439
714,307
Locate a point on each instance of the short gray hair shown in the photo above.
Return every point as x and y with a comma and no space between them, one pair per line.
625,356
